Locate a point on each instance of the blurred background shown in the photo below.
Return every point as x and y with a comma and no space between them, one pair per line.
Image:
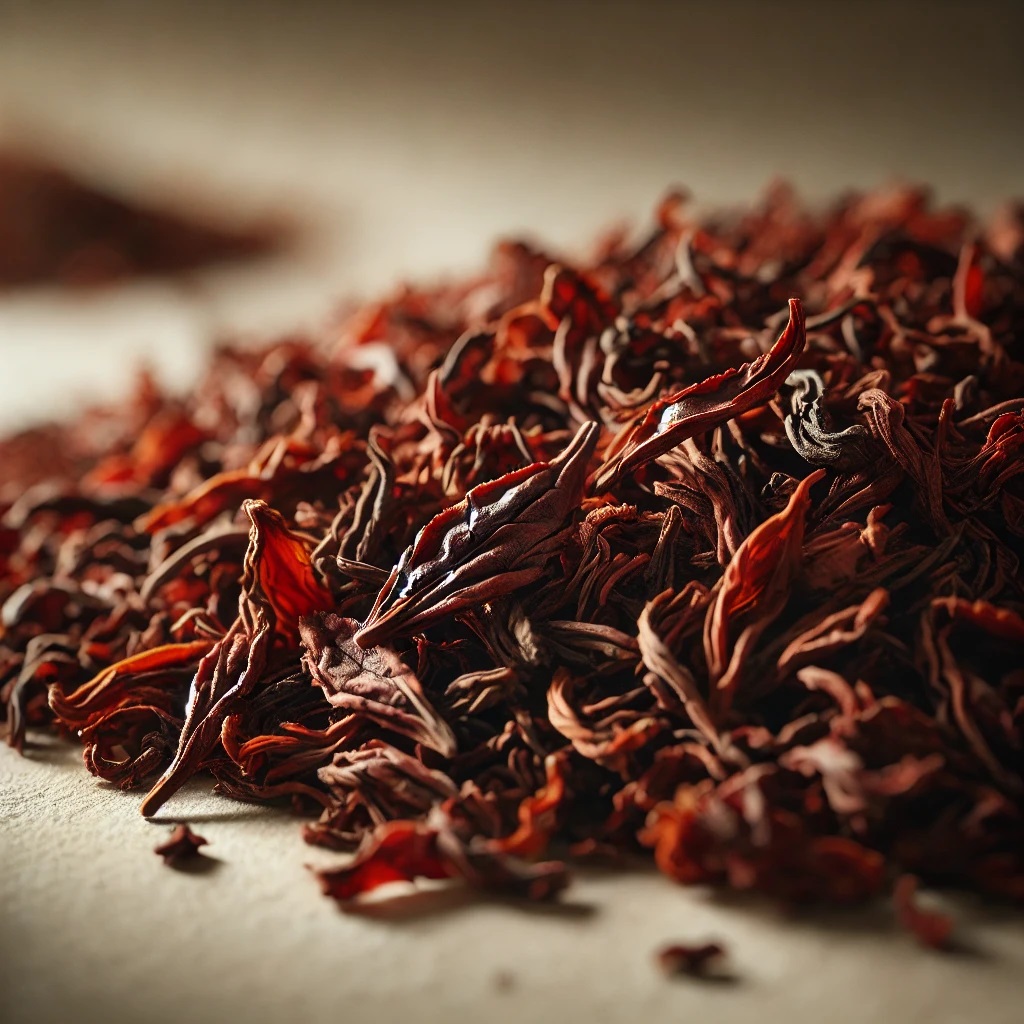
406,136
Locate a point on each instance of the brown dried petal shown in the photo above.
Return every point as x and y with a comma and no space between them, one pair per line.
183,845
670,421
497,539
374,683
930,927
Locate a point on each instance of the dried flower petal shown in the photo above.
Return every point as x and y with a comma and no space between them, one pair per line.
930,927
670,421
183,845
568,557
497,539
694,960
374,683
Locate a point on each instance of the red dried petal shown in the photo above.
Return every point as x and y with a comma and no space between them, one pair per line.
687,958
183,845
670,421
497,539
930,927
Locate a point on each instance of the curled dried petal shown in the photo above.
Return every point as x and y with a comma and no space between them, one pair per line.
671,420
497,539
374,683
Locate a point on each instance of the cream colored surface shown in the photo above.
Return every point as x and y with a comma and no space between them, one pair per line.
410,137
97,929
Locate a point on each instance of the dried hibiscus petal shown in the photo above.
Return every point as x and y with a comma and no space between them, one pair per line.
497,539
707,547
403,851
930,927
183,845
694,960
374,683
670,421
279,587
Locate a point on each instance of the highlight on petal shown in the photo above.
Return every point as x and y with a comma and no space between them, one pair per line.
753,590
671,420
496,540
114,687
375,684
280,566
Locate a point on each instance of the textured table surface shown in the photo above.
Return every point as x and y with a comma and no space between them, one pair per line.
96,928
409,144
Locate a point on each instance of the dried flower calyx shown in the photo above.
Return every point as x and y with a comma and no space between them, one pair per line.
708,546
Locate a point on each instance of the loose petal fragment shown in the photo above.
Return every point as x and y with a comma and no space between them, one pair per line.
182,846
374,683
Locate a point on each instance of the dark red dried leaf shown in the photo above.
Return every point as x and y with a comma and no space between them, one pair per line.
278,589
670,421
404,851
499,538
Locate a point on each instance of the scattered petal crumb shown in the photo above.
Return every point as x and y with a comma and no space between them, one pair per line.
931,928
694,960
183,845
